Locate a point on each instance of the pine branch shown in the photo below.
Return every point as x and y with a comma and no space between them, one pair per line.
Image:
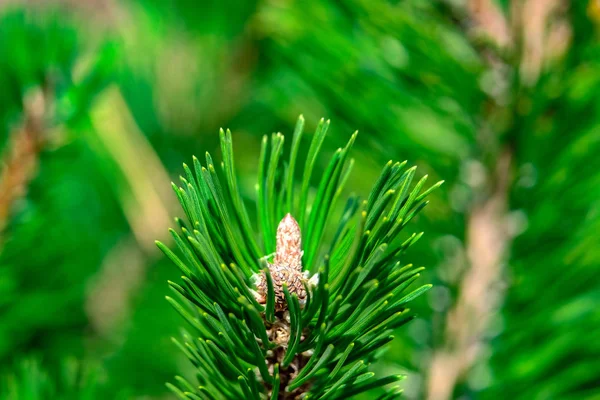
282,313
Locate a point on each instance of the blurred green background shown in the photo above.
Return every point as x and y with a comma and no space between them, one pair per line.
102,100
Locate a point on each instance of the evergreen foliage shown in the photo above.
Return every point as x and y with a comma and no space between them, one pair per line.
363,286
132,88
30,381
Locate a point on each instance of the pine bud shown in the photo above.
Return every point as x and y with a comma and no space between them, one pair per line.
287,265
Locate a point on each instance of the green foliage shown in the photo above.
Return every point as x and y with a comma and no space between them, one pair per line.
30,381
362,291
407,74
383,54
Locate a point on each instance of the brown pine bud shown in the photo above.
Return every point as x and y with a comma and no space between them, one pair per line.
289,244
287,265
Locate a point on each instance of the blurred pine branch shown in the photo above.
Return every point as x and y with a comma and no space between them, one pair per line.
20,159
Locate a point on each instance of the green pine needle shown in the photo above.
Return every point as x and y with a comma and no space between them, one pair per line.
320,347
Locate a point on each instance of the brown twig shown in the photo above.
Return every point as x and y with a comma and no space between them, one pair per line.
531,31
488,20
487,241
544,37
486,237
20,160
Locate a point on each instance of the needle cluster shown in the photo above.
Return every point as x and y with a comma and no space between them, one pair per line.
277,311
